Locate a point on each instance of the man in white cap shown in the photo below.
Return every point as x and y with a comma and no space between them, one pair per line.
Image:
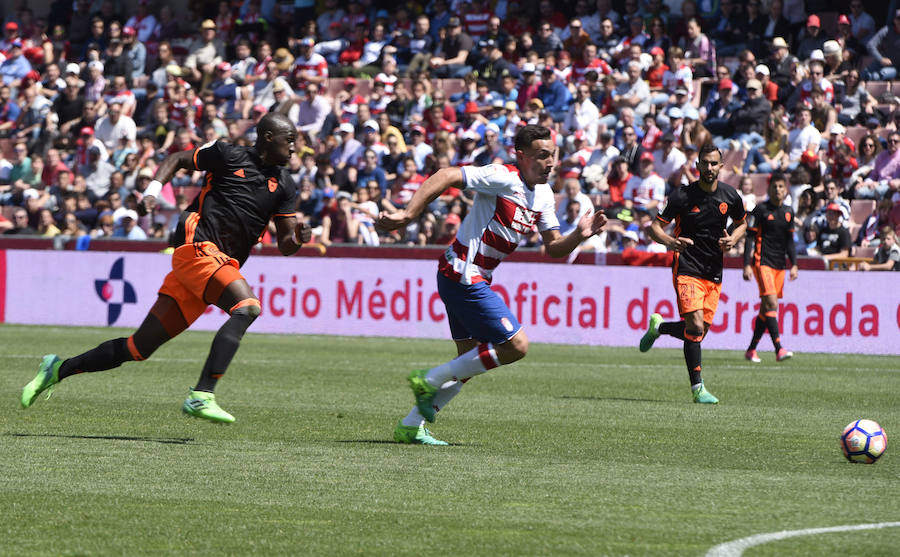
749,121
782,62
769,87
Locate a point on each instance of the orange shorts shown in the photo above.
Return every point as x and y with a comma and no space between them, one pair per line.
200,272
696,294
769,280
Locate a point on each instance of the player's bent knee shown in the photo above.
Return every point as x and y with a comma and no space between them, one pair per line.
249,307
693,335
514,349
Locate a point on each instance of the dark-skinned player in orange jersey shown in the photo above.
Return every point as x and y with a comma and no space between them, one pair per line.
245,187
700,239
770,240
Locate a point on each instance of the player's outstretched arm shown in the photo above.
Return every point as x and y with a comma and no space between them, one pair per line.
166,171
291,233
561,246
430,190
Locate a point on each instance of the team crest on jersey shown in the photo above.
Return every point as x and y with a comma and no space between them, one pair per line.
723,207
770,217
507,324
273,184
787,217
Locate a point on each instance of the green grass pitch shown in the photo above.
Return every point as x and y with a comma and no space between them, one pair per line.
573,451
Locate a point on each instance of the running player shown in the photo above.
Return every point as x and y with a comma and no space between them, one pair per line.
245,188
510,200
771,238
700,211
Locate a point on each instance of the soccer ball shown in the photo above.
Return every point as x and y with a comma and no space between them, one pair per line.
863,441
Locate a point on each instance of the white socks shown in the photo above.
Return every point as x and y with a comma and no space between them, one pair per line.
474,362
443,396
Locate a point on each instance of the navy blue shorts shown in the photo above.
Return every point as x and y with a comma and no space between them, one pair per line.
476,312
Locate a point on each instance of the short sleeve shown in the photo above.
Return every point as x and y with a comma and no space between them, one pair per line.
736,209
493,179
673,208
210,157
288,205
753,218
548,219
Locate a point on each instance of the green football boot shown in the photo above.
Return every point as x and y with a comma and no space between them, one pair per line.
652,332
413,435
47,376
702,396
203,405
424,393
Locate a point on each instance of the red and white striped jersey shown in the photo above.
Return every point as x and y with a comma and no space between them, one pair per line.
476,23
315,64
503,213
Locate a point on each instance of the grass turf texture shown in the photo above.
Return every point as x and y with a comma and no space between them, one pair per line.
573,451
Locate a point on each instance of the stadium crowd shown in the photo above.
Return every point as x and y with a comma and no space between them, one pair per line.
384,94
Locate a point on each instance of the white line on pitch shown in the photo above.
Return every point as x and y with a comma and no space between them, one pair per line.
737,547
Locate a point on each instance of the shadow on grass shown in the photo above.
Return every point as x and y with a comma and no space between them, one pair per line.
614,398
163,440
387,442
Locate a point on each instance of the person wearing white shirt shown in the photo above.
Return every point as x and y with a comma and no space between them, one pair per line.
668,160
116,126
647,189
603,154
804,137
572,192
583,114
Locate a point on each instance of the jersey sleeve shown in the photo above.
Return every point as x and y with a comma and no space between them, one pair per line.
492,179
288,205
210,157
548,219
674,207
736,209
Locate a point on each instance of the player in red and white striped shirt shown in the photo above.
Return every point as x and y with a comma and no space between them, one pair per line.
510,201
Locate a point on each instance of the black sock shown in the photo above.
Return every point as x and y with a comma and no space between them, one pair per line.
224,346
109,355
759,327
772,322
673,329
692,356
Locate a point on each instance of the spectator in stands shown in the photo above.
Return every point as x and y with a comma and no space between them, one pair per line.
20,224
547,40
782,62
862,24
699,50
749,120
885,174
668,160
869,232
338,223
833,240
887,258
126,226
633,93
832,200
583,115
554,95
811,38
824,116
884,47
96,173
205,53
718,116
803,138
856,103
116,126
451,57
646,190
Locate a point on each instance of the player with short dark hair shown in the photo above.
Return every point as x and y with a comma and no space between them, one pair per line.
771,239
510,200
700,239
245,187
